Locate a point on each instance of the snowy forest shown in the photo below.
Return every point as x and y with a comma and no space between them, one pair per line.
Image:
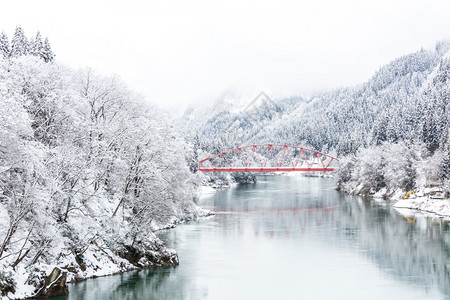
88,170
390,133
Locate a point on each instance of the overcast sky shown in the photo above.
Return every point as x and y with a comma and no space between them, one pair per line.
176,52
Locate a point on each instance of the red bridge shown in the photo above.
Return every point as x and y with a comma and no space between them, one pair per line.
267,158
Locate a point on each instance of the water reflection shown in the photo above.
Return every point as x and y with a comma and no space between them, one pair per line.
289,237
416,252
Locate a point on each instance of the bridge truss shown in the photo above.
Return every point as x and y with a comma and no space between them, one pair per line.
268,158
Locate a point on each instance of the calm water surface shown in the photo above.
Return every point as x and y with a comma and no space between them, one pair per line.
293,238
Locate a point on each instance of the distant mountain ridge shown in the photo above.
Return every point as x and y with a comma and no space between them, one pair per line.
406,100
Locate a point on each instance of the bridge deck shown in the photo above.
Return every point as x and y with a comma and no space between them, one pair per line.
268,158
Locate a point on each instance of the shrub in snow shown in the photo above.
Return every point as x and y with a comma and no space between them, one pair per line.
7,283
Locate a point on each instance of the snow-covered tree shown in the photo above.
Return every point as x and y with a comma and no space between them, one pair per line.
445,165
85,166
19,43
4,45
37,45
46,52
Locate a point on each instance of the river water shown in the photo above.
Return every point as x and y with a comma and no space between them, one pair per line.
293,238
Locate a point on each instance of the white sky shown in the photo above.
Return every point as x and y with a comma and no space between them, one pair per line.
176,52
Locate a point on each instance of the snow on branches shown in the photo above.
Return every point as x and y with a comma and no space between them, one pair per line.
87,171
20,46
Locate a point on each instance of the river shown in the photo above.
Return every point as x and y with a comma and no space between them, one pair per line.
293,238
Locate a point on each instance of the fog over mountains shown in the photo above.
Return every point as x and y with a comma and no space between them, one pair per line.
89,169
400,113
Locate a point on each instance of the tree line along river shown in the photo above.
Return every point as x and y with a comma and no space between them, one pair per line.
293,238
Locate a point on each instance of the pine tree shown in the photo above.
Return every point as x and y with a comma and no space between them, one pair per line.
193,160
31,46
411,173
19,43
37,46
445,166
47,53
4,45
379,131
430,134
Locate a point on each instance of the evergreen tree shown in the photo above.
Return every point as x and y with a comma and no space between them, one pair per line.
4,45
30,48
193,160
430,133
379,130
37,46
47,53
19,43
411,174
445,166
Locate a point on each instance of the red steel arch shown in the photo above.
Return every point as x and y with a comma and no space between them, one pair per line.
268,158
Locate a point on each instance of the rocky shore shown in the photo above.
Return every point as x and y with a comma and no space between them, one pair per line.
46,280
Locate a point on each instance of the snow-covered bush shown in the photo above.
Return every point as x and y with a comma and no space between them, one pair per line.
390,167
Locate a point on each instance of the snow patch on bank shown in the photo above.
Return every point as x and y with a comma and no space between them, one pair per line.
206,189
423,202
23,290
437,207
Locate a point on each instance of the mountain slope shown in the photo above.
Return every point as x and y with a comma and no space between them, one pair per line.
404,103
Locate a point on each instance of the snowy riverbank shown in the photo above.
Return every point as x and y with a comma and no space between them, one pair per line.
422,202
99,259
438,207
89,170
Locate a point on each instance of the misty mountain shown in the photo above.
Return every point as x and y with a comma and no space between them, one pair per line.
404,105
